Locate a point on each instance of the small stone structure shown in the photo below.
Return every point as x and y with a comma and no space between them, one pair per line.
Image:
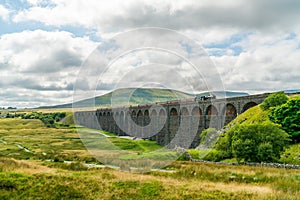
173,123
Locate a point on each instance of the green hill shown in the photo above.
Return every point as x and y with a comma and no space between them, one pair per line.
251,116
254,115
140,96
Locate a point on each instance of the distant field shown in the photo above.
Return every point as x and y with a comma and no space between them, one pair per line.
30,139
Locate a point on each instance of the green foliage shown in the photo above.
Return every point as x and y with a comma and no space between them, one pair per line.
265,152
291,155
224,144
258,142
253,115
67,121
214,155
274,100
288,116
49,119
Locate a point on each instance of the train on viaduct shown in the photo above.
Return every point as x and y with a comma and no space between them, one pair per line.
172,123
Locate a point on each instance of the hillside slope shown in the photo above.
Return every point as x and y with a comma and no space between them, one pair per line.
254,115
140,96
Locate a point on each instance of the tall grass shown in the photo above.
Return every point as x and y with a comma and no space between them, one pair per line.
190,181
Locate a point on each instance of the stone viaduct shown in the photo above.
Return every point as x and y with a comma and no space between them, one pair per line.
169,123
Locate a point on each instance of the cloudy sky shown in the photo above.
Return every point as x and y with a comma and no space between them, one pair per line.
255,45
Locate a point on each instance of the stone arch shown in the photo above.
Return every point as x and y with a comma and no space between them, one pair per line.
249,105
104,113
133,114
184,111
100,114
162,112
146,113
230,110
211,110
196,111
173,112
140,113
153,113
108,113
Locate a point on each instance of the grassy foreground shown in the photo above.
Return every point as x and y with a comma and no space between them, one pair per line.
25,172
34,180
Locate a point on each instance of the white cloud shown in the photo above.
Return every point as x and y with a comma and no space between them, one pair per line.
23,98
41,51
269,62
255,45
4,12
179,15
37,62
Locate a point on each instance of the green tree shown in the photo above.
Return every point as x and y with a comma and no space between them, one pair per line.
224,143
265,152
288,116
273,100
258,142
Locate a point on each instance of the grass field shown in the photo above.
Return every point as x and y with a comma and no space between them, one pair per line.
26,146
33,179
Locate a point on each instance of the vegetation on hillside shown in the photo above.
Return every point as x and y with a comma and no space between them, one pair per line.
288,116
254,143
262,133
273,100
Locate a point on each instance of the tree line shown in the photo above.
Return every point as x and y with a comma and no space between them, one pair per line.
49,119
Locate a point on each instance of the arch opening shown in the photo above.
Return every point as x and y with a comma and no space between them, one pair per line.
249,105
173,112
146,113
153,113
230,110
211,110
196,111
184,111
133,114
140,113
162,112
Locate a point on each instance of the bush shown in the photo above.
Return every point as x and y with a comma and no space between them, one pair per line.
214,155
288,116
258,142
273,100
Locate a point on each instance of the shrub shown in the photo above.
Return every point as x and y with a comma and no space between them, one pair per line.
273,100
288,116
214,155
258,142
